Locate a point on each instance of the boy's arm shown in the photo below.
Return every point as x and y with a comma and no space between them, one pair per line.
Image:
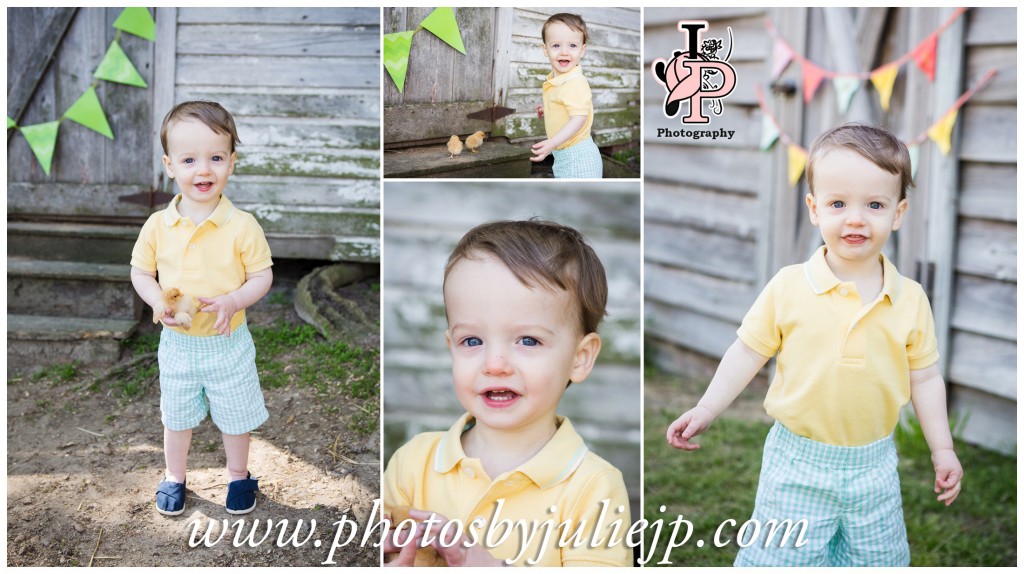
738,367
928,393
148,288
542,149
256,285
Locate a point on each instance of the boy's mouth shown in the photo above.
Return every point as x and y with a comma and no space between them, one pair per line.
499,397
855,239
564,63
204,186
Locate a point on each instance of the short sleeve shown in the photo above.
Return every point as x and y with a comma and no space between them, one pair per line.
760,330
144,252
605,490
922,345
577,98
253,247
392,491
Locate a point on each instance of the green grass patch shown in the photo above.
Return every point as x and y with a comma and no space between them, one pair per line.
719,482
61,373
140,343
280,298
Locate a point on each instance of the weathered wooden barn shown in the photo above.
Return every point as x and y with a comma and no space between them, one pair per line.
504,66
423,222
303,86
721,217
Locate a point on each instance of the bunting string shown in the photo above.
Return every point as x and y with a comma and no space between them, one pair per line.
87,109
922,49
939,132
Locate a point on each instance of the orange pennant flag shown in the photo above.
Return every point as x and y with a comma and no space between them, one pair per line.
941,131
883,78
924,55
812,76
797,161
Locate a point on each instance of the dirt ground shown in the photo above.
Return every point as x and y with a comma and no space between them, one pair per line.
83,466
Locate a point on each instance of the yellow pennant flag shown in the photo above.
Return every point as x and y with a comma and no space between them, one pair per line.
883,78
942,130
797,161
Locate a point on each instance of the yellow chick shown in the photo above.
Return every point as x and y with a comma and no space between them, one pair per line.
183,306
454,147
474,141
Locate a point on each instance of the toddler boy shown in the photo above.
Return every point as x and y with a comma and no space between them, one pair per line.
523,300
855,341
568,110
206,248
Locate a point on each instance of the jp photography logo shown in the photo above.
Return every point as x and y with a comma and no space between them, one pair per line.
696,78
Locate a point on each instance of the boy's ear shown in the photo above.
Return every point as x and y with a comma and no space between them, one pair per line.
167,167
901,209
812,208
586,354
231,168
447,339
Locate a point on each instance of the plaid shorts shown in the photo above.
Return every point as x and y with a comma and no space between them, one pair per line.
581,161
850,497
215,373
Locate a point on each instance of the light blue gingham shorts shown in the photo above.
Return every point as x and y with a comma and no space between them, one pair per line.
581,161
215,373
850,497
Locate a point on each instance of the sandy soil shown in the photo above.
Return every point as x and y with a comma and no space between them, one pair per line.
83,466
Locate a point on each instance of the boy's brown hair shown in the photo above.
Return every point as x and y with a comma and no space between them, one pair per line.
211,114
542,253
876,144
573,21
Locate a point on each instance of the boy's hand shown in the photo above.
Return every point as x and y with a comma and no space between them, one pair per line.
692,423
948,474
454,552
406,555
225,307
541,150
540,111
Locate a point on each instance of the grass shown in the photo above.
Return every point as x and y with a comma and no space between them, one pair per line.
719,482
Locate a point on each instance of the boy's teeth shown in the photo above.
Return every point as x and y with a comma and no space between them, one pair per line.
505,395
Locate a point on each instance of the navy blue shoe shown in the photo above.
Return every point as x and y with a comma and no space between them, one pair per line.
170,498
242,495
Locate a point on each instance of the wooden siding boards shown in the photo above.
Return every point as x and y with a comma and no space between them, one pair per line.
303,86
718,212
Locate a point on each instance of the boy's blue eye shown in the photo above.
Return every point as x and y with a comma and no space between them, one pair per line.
217,158
529,341
838,204
472,341
189,160
875,205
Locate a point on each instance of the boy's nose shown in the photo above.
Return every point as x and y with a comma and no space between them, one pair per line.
497,364
855,217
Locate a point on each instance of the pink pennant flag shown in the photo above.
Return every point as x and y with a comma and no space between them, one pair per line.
924,55
781,57
812,79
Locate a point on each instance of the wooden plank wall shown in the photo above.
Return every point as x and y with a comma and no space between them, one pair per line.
983,361
442,85
701,263
424,221
611,65
303,86
89,171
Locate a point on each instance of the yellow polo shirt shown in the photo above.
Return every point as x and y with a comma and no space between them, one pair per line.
564,96
432,472
204,261
843,369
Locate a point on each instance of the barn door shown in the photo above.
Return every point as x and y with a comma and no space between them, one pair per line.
51,56
442,87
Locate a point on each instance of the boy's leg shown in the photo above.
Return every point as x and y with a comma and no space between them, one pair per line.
176,444
876,530
236,449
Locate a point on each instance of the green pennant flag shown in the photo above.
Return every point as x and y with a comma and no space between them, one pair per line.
116,67
769,133
441,22
42,138
88,112
396,56
11,123
138,22
845,87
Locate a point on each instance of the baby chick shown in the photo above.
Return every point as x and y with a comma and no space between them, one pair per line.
454,147
183,307
474,141
399,515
